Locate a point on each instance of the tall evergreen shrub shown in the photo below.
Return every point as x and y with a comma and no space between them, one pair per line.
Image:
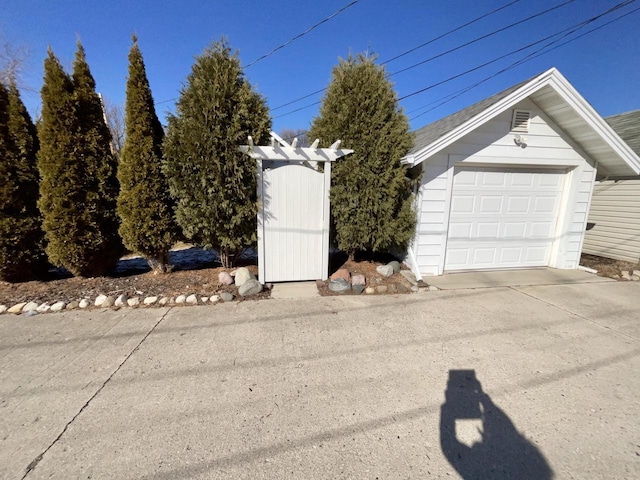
213,184
144,203
79,187
371,197
22,254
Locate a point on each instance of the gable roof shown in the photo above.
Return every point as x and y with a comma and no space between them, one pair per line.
627,125
559,100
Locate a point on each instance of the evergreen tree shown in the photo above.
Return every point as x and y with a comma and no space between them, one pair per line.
22,254
144,204
371,197
79,187
213,184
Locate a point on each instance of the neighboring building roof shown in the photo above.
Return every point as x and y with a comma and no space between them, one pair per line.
559,100
627,125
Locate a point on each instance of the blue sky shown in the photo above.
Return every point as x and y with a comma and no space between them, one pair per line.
604,66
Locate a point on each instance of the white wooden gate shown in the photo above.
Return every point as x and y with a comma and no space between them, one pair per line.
293,216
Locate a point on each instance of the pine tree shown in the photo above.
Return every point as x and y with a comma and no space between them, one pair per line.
213,184
144,204
22,254
79,187
371,197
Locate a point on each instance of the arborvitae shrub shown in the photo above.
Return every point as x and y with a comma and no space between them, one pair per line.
22,254
144,203
212,183
371,197
79,187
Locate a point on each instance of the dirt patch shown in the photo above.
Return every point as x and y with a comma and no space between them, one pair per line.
195,271
366,265
608,267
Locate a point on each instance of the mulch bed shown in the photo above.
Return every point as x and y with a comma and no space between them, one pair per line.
195,271
607,267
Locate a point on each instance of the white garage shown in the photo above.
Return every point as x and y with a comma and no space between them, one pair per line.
507,182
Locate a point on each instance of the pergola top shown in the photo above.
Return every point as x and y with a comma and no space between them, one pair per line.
281,150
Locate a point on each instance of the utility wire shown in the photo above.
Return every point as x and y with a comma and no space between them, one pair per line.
531,17
439,37
460,27
288,42
535,54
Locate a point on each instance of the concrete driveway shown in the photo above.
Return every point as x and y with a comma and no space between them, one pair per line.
340,387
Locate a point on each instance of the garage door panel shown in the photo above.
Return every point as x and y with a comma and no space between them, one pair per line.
502,219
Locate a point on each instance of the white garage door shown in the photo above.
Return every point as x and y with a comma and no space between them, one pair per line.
502,218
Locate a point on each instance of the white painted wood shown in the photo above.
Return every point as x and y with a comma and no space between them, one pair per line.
568,109
615,211
502,218
261,218
293,213
294,222
548,147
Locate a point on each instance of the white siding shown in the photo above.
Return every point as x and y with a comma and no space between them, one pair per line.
615,211
492,143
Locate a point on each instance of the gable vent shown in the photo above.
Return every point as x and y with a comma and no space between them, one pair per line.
520,121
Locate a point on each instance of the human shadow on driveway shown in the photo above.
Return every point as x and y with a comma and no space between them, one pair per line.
502,452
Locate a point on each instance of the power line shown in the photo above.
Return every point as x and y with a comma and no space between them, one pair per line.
533,55
495,32
439,37
460,27
303,33
288,42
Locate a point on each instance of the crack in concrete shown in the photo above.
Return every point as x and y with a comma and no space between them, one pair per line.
34,463
590,320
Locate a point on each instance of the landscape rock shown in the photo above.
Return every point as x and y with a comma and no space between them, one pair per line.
357,289
635,272
84,303
385,270
415,288
100,300
250,287
44,307
204,299
370,290
395,265
72,305
121,301
226,296
339,285
401,288
635,278
57,307
163,301
3,308
192,299
30,307
181,299
341,273
17,308
358,280
30,313
150,300
409,276
214,298
626,276
225,279
382,289
433,288
133,302
243,275
108,302
392,288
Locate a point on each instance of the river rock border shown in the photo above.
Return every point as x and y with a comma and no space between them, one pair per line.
242,278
